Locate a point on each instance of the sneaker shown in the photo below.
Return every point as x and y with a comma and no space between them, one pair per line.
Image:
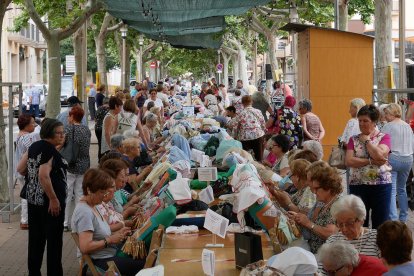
24,226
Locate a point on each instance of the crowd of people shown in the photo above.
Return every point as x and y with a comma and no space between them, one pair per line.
348,227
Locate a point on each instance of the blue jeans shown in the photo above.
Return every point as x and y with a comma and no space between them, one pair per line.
401,166
34,110
377,199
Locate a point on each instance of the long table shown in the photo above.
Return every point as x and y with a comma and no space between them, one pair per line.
181,253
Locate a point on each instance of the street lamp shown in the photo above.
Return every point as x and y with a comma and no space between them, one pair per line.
124,30
141,67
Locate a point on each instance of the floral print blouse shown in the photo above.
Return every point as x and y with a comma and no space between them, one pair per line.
369,175
249,124
291,126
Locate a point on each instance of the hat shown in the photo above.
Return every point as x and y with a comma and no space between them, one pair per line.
73,100
290,101
295,261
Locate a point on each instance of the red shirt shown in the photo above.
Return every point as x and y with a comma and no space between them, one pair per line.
369,265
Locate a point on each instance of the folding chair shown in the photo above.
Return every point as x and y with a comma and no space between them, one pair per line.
154,246
85,260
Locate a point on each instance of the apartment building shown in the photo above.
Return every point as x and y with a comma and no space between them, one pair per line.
23,53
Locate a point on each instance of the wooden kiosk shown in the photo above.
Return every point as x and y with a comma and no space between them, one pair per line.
333,68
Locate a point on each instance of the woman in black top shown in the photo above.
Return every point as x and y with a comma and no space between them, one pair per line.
45,171
99,117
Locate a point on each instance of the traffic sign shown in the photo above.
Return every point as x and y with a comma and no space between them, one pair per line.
220,67
153,64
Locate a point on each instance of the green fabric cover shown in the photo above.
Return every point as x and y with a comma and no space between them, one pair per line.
196,184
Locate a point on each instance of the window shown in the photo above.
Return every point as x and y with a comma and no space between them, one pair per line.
395,5
32,27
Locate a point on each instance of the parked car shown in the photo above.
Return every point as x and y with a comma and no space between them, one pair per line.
25,99
66,90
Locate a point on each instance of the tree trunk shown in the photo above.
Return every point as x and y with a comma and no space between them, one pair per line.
226,63
127,64
77,48
383,45
101,58
235,61
243,66
272,53
343,15
53,97
4,188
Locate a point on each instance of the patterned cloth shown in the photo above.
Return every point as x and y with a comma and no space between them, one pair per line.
304,199
249,124
82,137
211,103
107,211
323,218
100,116
351,129
369,175
290,125
236,102
312,126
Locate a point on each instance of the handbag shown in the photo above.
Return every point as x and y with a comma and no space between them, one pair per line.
70,151
337,157
248,249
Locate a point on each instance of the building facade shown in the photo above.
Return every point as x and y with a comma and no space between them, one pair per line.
22,53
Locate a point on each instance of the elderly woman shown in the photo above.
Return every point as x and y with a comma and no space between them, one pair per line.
352,127
78,134
341,258
279,147
395,242
349,214
367,155
250,126
132,150
400,159
312,125
319,225
303,200
381,121
95,236
45,171
287,121
157,102
151,121
110,123
25,138
210,102
314,147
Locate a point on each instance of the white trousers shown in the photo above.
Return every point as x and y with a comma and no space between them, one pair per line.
24,219
74,182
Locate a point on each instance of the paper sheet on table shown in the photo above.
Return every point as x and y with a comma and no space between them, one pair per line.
207,174
216,223
197,155
153,271
205,161
208,261
206,195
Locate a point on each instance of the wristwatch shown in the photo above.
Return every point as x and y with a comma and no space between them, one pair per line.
366,142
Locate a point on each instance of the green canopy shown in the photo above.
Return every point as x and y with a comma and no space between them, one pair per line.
182,23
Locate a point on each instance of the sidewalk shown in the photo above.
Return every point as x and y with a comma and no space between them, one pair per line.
13,241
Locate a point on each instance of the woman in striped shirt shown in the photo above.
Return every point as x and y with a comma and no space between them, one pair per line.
349,213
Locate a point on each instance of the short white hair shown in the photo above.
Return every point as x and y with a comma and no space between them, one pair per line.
315,147
381,109
357,103
349,203
116,140
340,253
131,133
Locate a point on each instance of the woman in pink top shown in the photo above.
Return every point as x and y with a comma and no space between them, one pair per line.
312,125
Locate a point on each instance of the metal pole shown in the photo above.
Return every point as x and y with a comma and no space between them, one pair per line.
85,71
337,14
255,60
402,79
140,63
219,74
123,63
11,184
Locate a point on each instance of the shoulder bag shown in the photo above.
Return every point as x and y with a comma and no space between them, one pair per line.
70,151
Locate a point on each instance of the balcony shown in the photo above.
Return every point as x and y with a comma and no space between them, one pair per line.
38,43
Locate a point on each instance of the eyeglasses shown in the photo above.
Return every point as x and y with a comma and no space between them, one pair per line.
346,224
333,272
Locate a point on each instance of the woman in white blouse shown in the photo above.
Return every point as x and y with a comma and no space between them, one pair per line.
400,158
352,127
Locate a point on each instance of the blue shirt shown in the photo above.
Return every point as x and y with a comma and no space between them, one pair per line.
401,270
63,117
92,92
35,95
134,92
